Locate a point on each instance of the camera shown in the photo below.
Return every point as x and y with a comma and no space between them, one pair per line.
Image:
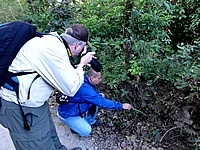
94,63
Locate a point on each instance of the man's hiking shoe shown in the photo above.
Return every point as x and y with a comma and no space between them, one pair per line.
72,131
98,123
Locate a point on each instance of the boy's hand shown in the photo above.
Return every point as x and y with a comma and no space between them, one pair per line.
126,106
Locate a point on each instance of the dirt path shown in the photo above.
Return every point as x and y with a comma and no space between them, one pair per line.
5,141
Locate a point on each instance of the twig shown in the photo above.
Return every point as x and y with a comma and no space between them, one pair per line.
139,111
167,132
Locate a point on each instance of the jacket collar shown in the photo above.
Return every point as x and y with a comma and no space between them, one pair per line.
86,80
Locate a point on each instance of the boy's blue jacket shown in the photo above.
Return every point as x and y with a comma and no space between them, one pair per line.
84,97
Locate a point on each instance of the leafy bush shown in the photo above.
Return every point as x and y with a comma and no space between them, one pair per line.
100,19
151,38
106,35
47,15
50,15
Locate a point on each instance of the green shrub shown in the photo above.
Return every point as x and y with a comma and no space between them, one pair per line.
153,41
50,15
104,20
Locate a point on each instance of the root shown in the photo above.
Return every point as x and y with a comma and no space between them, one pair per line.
167,132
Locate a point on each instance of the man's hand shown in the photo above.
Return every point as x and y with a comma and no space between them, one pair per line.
87,58
126,106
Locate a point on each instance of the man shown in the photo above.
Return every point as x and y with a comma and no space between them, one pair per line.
48,59
86,101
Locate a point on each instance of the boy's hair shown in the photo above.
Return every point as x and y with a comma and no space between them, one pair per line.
92,73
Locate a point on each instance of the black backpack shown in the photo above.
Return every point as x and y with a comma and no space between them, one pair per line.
13,36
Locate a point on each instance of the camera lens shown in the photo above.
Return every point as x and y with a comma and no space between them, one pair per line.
96,65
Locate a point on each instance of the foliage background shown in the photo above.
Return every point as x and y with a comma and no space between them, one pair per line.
150,41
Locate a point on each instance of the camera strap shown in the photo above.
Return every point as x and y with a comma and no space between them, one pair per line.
71,59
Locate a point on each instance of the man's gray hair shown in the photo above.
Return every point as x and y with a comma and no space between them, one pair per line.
71,40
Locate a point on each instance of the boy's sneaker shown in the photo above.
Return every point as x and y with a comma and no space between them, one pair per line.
76,148
98,123
72,131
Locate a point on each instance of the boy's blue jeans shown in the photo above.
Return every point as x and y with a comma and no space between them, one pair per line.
81,125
